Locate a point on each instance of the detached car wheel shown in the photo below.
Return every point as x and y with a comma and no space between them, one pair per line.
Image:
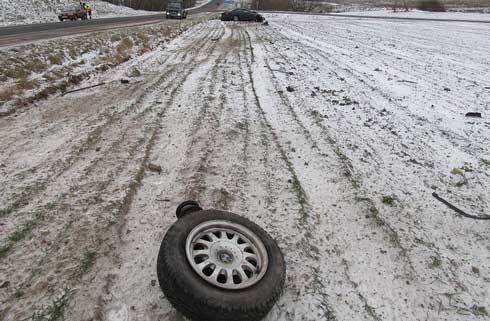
218,266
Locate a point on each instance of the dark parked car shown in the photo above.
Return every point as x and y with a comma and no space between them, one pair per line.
73,12
241,15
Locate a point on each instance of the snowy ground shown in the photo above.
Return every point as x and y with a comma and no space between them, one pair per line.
424,14
339,169
15,12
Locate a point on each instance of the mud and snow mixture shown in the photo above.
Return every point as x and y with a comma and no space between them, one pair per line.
331,133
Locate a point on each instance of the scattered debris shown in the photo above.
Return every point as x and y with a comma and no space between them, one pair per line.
446,89
83,88
290,89
407,81
124,81
265,23
5,284
457,210
457,171
473,114
155,168
215,39
135,72
163,199
153,282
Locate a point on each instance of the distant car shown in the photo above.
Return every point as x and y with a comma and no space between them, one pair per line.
175,10
72,12
241,15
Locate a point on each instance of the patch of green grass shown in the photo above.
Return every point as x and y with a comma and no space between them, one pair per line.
86,264
87,261
54,312
4,249
479,311
22,232
375,215
329,313
50,206
435,262
300,196
115,37
9,209
388,200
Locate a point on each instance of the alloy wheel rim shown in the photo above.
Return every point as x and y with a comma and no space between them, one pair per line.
226,254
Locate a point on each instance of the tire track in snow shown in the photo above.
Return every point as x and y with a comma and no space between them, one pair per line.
124,206
414,252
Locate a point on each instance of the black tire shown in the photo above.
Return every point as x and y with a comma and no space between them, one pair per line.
199,300
186,208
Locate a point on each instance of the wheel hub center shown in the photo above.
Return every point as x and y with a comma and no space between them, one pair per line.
225,257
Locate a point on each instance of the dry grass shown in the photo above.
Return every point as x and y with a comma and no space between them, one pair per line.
7,94
56,59
121,54
24,83
36,65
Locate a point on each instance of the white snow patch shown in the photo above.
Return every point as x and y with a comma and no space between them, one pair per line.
16,12
422,14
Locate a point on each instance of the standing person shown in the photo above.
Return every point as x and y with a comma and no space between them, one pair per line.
86,7
89,10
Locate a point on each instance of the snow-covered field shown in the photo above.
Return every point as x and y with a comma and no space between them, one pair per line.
339,168
423,14
15,12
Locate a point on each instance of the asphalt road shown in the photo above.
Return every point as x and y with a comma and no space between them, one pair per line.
15,35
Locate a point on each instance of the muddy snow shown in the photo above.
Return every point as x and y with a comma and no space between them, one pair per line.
330,133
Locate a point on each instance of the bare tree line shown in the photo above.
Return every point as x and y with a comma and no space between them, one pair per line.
284,5
150,5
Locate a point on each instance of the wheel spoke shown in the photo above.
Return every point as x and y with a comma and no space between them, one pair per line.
244,246
201,252
242,273
215,274
213,237
251,255
202,265
229,276
235,238
203,242
249,265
